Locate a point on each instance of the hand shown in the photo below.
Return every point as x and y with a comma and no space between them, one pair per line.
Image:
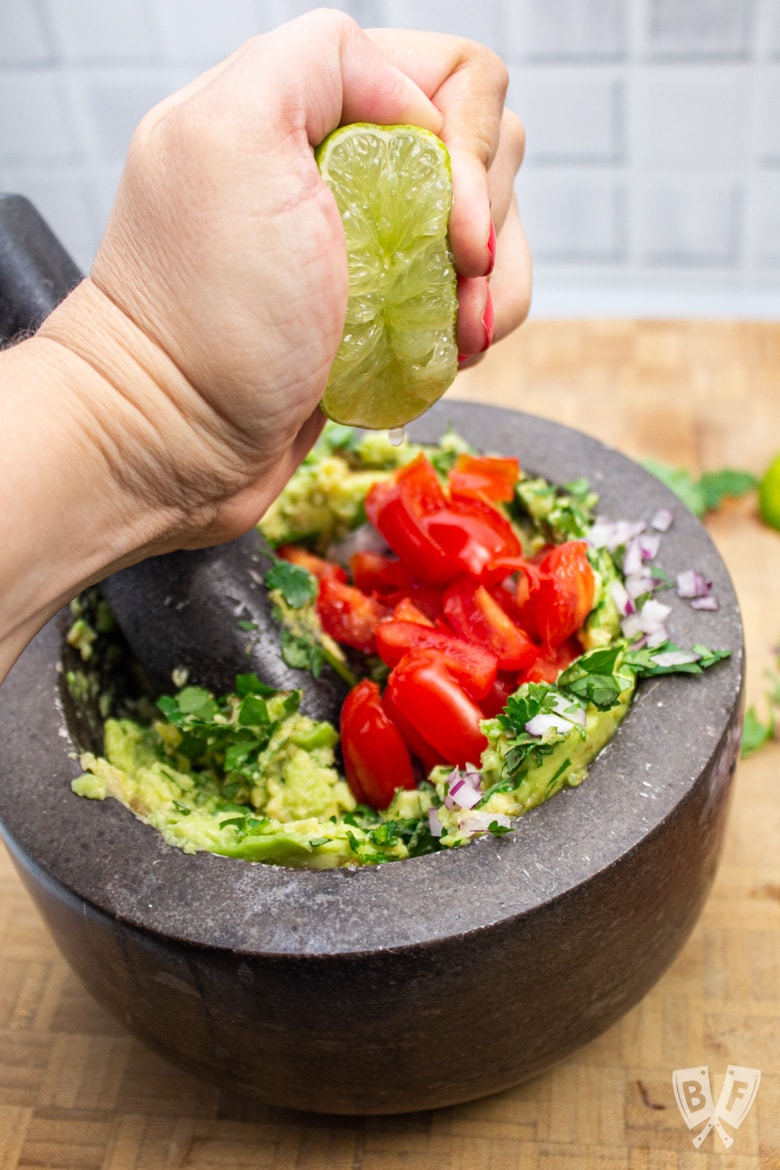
179,383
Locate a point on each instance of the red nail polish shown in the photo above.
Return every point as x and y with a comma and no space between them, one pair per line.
491,247
488,322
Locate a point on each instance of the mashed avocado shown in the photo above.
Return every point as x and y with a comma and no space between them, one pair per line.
248,775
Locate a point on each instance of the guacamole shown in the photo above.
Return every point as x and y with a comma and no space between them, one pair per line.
248,775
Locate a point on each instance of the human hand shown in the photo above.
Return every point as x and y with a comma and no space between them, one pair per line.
223,269
167,400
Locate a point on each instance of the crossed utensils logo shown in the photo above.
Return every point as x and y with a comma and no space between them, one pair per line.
694,1100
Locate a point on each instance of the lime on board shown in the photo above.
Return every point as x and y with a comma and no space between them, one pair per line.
398,352
769,495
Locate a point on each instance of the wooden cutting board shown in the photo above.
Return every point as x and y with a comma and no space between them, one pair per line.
76,1092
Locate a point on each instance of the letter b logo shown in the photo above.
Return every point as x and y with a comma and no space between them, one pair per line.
695,1096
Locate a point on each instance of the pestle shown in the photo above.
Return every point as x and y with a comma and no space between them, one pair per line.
180,611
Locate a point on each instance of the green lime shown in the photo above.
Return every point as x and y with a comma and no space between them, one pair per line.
769,495
398,353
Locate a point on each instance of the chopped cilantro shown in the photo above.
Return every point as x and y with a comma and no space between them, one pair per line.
302,652
297,585
592,678
644,663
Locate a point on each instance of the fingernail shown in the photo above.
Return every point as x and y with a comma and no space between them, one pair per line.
491,247
488,322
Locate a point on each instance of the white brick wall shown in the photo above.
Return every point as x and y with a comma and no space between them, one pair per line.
652,178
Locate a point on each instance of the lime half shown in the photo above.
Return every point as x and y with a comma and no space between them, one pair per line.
398,353
769,495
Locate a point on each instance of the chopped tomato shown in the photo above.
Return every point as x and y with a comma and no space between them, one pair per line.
348,615
438,708
485,475
473,666
476,616
317,566
437,538
376,759
474,533
561,596
408,536
407,611
373,572
416,743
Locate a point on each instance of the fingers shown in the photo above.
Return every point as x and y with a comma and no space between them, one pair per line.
489,309
467,83
510,283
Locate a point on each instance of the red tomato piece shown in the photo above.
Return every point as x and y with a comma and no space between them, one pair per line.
477,617
408,611
416,484
373,572
408,536
471,665
438,708
485,475
561,597
348,615
376,759
317,566
415,742
474,533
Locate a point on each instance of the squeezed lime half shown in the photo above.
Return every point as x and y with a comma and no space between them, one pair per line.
398,353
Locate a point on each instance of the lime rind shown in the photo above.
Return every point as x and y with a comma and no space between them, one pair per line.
398,353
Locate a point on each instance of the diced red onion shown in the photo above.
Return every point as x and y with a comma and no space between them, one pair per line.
621,598
710,603
480,822
632,626
632,558
648,620
548,721
676,657
663,520
692,583
434,824
654,614
611,534
649,542
463,791
637,585
570,710
656,638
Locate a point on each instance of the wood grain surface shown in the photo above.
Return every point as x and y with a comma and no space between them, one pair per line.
77,1093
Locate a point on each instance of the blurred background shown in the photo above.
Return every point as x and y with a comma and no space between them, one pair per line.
652,181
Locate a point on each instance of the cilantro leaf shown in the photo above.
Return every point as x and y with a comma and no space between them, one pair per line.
249,684
592,678
706,493
754,733
716,486
302,652
644,662
297,585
